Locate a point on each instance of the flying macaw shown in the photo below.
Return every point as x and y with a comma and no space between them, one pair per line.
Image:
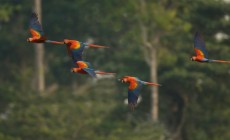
37,33
201,52
135,85
86,68
75,48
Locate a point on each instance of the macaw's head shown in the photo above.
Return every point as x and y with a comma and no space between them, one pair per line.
74,70
193,58
66,41
125,79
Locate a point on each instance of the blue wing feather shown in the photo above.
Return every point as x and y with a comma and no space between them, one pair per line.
78,53
91,72
35,24
133,94
200,44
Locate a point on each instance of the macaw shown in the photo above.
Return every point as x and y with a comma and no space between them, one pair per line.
37,33
201,52
75,48
135,85
86,68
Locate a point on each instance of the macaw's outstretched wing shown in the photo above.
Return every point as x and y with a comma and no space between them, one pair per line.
199,46
91,72
35,26
83,64
77,52
76,55
133,95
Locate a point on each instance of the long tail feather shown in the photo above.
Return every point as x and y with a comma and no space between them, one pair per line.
54,42
97,46
221,61
152,84
101,72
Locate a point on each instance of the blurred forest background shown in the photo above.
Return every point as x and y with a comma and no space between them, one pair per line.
193,101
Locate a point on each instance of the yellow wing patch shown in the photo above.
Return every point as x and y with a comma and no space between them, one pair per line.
199,53
133,86
76,45
34,33
82,64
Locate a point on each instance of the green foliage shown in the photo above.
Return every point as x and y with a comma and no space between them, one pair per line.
194,97
6,10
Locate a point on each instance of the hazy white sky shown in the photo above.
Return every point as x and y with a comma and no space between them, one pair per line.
227,1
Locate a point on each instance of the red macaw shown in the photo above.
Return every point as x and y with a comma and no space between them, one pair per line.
36,30
75,48
86,68
201,52
135,85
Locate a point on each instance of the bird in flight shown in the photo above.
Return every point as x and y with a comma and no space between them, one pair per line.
135,85
201,52
86,68
37,33
75,48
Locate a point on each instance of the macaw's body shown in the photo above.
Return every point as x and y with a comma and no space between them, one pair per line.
86,68
75,48
135,85
201,52
37,33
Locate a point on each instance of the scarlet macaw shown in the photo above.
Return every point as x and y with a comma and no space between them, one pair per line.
86,68
201,52
36,30
135,85
75,48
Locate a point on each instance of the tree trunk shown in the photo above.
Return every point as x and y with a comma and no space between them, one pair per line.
150,49
153,73
39,55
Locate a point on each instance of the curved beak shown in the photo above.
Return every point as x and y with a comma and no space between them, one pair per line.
121,80
28,40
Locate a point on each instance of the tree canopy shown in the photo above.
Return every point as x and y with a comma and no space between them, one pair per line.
194,97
